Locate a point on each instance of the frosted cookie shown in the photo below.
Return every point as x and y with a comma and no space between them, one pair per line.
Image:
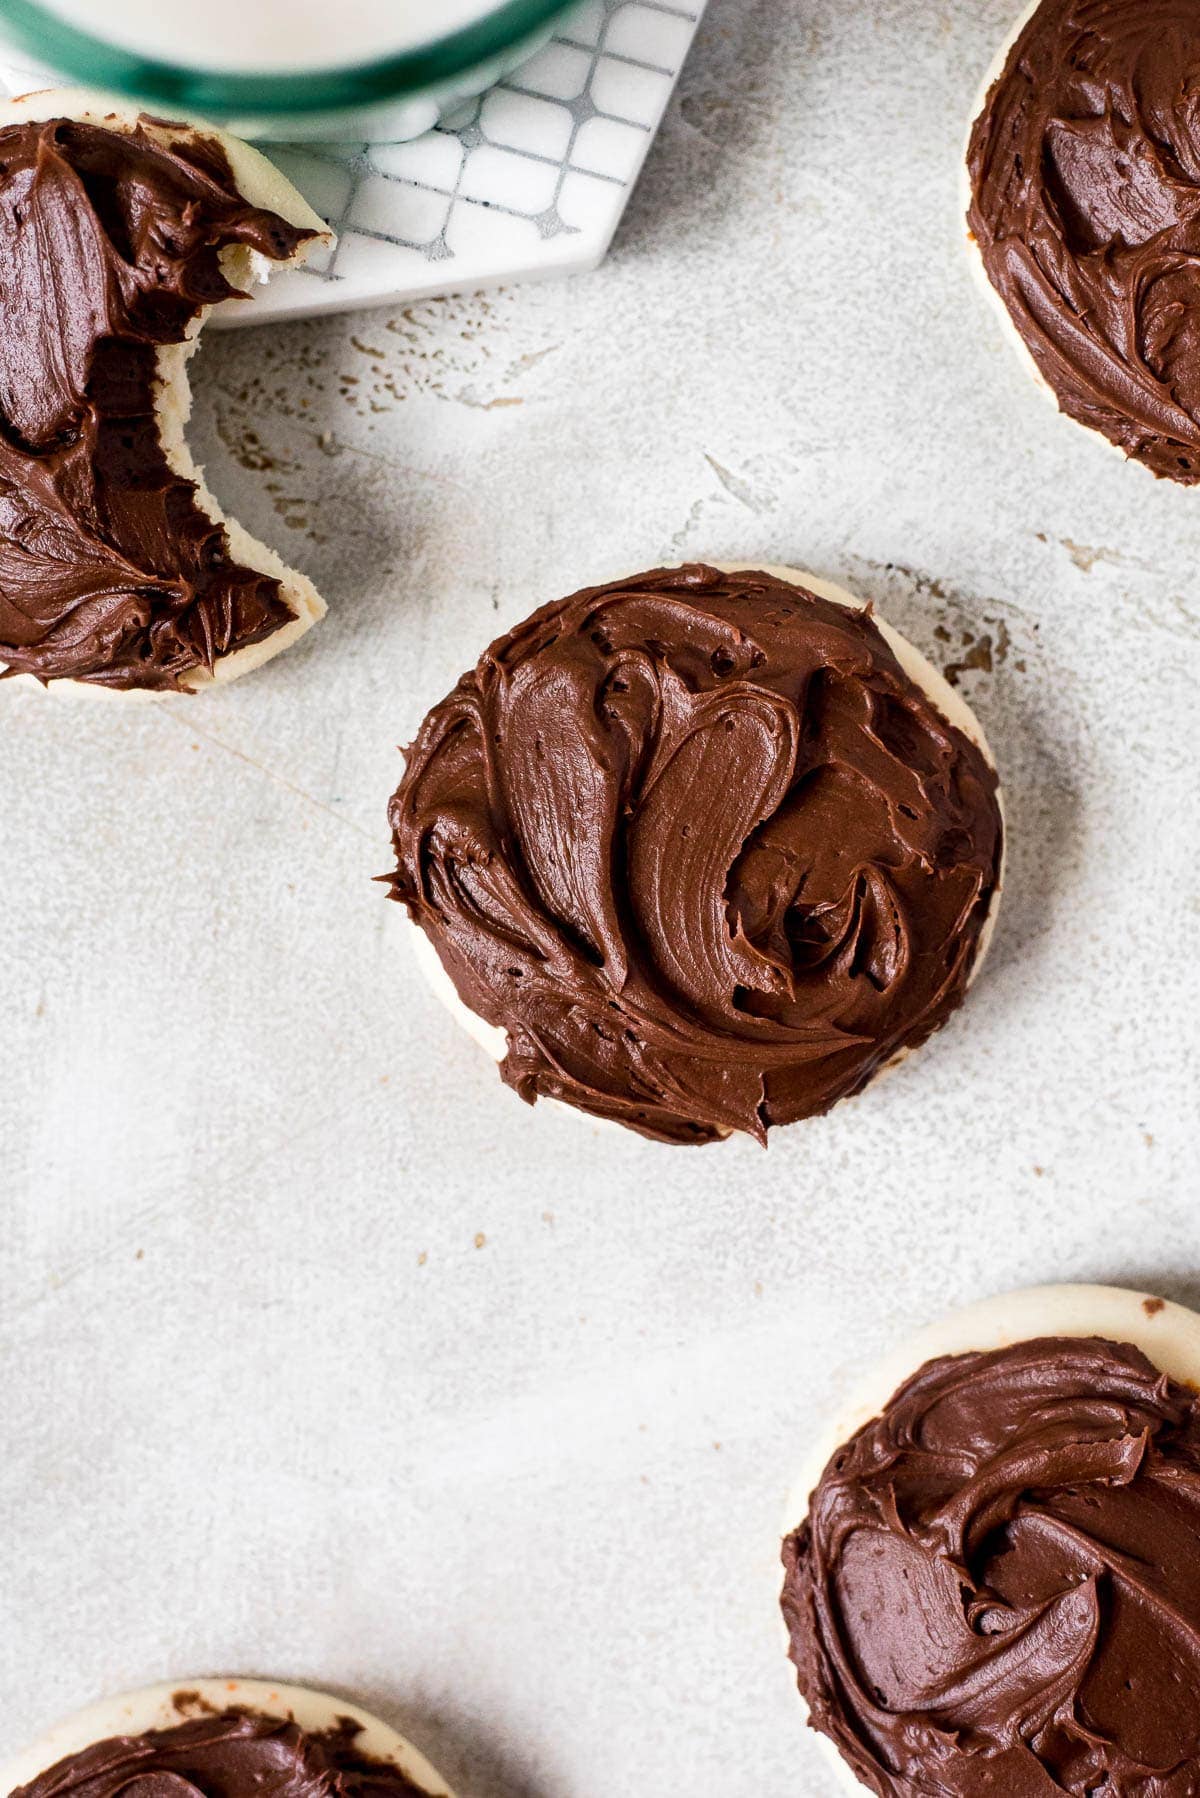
222,1738
1084,175
118,235
701,851
995,1589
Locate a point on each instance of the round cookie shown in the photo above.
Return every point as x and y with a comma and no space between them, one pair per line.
1081,217
359,1736
683,1120
119,572
949,702
1148,1351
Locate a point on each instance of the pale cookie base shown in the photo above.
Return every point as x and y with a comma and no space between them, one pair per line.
952,706
261,185
155,1707
1167,1334
490,1037
975,254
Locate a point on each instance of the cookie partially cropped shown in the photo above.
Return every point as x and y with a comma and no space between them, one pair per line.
118,235
704,846
222,1738
1084,169
994,1590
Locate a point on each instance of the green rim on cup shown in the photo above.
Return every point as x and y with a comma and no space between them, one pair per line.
221,93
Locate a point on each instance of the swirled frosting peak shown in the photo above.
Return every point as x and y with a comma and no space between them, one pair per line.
996,1593
111,573
1085,175
702,848
236,1754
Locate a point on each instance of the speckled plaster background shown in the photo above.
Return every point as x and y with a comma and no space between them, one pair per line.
319,1354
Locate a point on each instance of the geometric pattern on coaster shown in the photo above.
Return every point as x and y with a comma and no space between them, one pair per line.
531,178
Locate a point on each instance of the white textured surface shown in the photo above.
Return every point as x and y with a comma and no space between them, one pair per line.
264,1404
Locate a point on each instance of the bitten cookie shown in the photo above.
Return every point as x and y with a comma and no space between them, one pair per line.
118,235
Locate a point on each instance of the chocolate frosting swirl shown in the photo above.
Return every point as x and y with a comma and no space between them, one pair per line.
236,1754
1085,177
110,244
702,848
997,1591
